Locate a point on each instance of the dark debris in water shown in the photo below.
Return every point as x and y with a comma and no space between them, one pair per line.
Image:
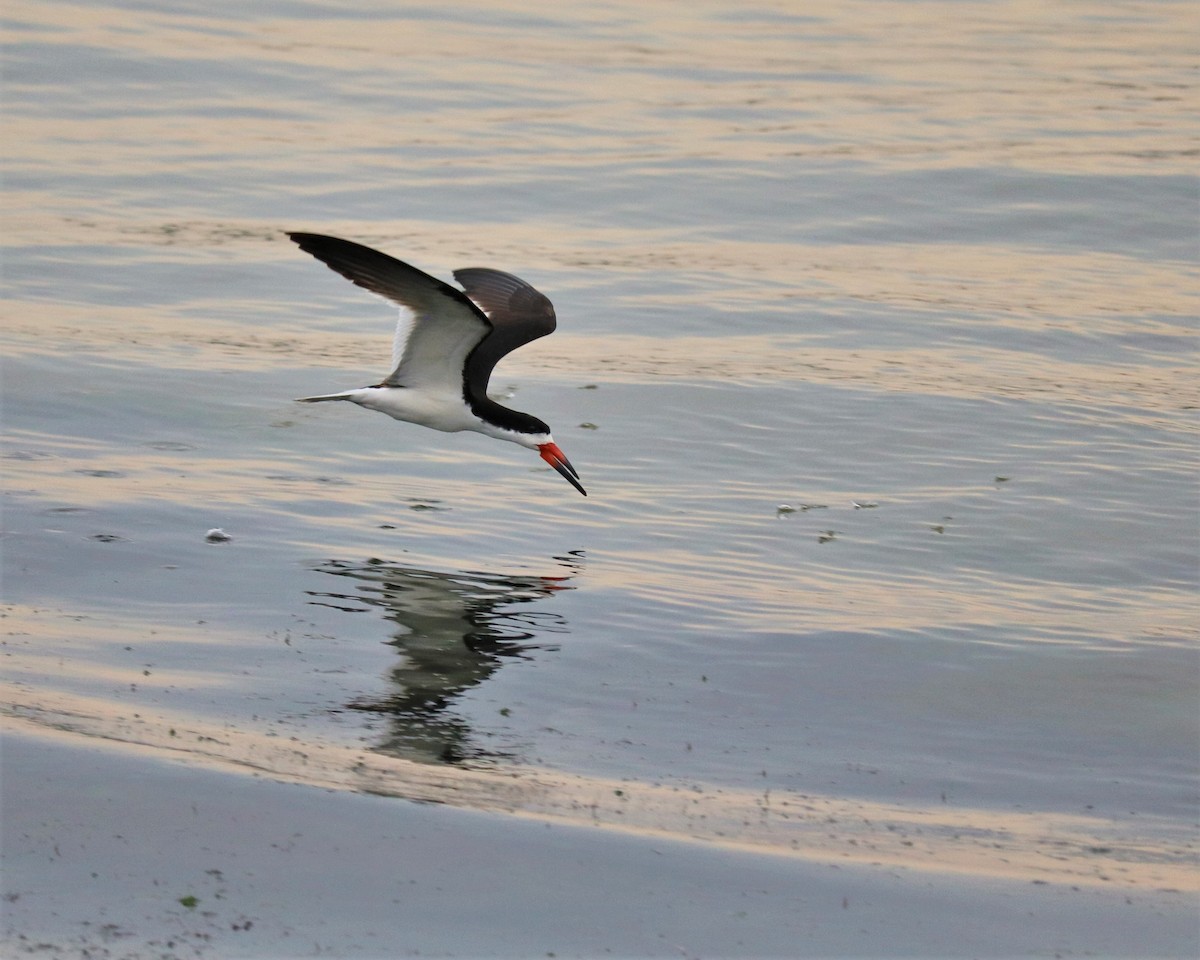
109,538
786,509
293,478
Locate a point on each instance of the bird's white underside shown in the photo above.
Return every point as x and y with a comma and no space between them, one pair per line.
437,409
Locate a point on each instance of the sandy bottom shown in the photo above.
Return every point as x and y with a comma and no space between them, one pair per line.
111,852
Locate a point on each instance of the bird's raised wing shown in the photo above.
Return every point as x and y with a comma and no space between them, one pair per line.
509,302
518,313
439,326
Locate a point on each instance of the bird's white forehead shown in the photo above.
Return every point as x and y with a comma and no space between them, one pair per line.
530,440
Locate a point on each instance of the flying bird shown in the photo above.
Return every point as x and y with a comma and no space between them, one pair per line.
447,342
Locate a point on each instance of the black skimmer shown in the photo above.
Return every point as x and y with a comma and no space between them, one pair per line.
447,343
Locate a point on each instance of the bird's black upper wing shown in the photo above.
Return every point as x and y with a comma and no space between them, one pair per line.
518,313
439,326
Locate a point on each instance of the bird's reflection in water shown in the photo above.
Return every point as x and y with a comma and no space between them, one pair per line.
453,631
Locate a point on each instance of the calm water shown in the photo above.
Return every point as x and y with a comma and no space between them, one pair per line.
875,353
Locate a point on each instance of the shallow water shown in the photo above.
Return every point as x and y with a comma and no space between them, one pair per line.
875,354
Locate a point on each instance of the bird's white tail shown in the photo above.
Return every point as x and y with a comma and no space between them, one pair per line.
345,395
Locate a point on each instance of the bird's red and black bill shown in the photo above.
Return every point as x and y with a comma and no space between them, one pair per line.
558,460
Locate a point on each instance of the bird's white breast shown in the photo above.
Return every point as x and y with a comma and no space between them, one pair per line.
438,410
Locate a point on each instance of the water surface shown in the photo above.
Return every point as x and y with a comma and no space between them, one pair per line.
875,353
